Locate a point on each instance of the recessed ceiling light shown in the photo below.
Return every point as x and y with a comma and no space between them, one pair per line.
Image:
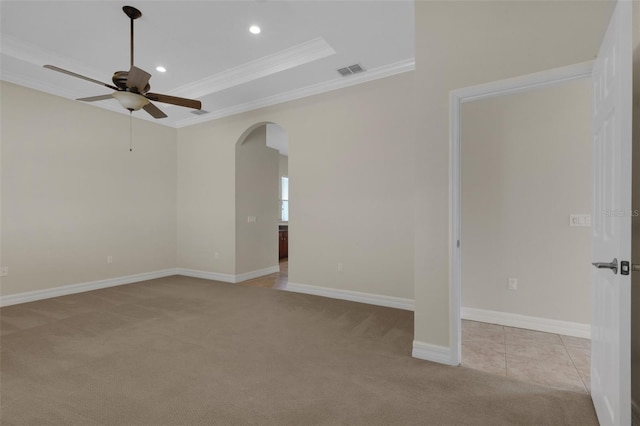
254,29
160,68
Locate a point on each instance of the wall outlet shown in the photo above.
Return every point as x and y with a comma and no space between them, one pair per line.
109,259
251,219
216,255
513,284
4,271
340,267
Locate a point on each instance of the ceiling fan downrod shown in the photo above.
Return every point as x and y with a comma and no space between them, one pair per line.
133,14
131,88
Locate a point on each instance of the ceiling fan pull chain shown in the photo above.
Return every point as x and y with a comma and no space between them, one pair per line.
132,87
130,131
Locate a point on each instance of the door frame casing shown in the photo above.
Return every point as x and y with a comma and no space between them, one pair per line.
525,83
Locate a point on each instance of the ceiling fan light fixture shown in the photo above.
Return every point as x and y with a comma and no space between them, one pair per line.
131,101
132,89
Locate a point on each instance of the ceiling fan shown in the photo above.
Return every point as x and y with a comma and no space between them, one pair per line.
132,87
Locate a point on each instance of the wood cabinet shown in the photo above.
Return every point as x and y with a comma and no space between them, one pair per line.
283,243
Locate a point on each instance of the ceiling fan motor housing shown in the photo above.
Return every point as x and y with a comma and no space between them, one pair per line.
120,80
132,87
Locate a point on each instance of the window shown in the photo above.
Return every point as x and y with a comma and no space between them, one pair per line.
284,198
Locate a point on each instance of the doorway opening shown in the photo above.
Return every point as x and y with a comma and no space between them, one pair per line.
525,237
262,213
277,138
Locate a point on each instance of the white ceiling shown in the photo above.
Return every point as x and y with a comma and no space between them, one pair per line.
207,48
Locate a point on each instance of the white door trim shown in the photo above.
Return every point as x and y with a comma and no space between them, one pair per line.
457,97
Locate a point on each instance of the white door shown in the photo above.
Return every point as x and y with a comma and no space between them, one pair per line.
611,211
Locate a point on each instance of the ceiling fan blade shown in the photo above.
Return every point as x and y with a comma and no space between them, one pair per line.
189,103
73,74
137,79
95,98
154,111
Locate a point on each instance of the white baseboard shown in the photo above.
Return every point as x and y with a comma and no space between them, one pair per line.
215,276
227,278
531,323
255,274
635,414
434,353
354,296
31,296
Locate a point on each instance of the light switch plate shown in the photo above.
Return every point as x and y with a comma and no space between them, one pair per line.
580,220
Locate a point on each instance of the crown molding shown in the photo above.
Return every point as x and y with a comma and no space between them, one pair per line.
39,85
32,83
31,54
280,61
316,89
35,55
285,59
328,86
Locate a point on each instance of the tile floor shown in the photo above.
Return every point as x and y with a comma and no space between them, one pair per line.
534,356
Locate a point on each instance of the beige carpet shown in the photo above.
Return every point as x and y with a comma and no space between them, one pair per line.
183,351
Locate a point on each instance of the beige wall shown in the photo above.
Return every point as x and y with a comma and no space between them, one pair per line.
526,166
460,44
73,194
635,224
206,170
350,164
257,196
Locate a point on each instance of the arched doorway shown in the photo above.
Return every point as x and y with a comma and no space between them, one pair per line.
262,205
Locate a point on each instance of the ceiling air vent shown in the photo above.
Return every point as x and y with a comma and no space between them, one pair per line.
199,112
351,69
